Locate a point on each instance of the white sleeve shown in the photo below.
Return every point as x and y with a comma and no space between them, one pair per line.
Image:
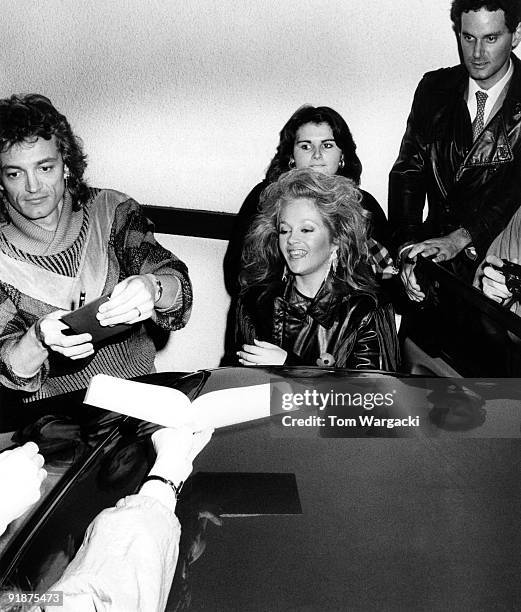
127,560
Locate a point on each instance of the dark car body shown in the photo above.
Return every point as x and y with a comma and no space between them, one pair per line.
302,518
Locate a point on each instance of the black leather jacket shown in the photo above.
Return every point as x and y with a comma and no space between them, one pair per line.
333,329
472,185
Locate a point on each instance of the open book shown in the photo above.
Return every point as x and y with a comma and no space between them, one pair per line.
172,408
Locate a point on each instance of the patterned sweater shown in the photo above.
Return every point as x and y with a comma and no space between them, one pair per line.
92,249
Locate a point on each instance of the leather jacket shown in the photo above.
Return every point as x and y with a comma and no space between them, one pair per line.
474,185
335,328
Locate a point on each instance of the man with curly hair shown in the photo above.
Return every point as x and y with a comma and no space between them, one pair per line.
62,242
462,147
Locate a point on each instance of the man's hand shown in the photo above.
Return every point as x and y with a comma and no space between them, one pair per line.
77,346
176,450
132,300
262,353
21,475
442,248
412,288
439,249
493,280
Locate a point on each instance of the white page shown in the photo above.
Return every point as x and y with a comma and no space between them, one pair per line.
231,406
153,403
171,408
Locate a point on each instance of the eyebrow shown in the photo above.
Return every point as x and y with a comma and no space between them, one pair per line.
303,221
498,33
45,160
322,139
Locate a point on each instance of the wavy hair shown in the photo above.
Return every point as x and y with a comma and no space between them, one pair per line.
26,118
511,8
338,201
321,114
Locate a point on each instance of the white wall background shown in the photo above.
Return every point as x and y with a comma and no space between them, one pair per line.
180,103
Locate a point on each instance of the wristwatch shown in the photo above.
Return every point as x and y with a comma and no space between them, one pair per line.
470,250
176,490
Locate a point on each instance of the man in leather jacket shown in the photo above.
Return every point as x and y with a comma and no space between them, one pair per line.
462,147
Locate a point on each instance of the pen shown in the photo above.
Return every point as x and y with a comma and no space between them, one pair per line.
82,299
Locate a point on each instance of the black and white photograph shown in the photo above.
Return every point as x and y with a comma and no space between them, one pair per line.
260,300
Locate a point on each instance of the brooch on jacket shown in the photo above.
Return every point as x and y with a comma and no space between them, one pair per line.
326,360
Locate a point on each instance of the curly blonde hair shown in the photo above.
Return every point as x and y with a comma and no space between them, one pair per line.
338,201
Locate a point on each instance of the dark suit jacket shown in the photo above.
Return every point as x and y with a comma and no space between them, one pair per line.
472,185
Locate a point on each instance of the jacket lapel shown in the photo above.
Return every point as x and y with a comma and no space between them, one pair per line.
492,147
453,130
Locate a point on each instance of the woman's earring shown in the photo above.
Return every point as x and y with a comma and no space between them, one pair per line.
285,274
65,176
291,163
341,163
333,263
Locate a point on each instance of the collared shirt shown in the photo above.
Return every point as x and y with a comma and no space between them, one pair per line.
493,94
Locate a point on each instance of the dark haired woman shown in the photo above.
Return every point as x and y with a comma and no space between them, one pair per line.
308,295
318,138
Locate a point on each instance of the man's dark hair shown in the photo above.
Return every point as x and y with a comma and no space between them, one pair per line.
26,118
511,8
321,114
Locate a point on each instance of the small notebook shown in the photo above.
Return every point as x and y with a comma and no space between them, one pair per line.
84,320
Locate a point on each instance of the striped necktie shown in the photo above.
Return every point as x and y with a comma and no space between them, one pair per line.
478,124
